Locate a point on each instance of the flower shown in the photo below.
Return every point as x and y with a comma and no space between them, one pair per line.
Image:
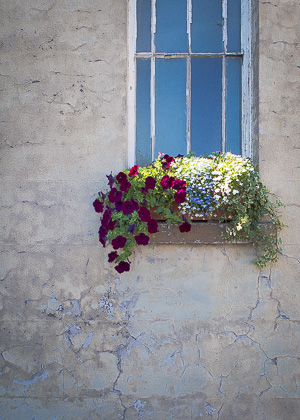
166,161
128,207
185,227
152,226
125,185
114,195
118,242
98,206
144,214
102,235
106,218
112,256
180,196
167,182
121,177
179,184
122,266
134,170
150,183
142,239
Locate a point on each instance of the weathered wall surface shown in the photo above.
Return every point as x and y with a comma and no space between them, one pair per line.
191,332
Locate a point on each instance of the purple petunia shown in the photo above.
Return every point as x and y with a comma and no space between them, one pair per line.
119,242
98,206
122,266
142,239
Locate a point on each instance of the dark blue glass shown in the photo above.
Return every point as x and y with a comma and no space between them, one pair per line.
206,116
207,26
234,25
143,133
171,32
143,16
233,105
170,106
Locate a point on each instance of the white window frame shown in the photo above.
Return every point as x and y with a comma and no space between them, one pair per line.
247,76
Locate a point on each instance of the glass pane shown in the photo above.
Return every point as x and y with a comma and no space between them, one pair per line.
143,16
207,26
171,34
143,133
234,25
206,115
233,105
170,106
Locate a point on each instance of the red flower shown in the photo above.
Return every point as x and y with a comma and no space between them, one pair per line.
142,239
122,266
180,196
121,177
185,227
166,161
128,207
149,183
114,195
125,185
144,214
102,236
98,206
112,256
134,170
167,181
179,184
118,242
152,226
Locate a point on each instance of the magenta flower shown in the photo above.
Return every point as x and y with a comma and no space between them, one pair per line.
152,226
185,227
150,183
134,170
125,185
98,206
112,256
142,239
118,242
144,214
128,207
179,184
166,161
114,195
167,181
122,266
180,196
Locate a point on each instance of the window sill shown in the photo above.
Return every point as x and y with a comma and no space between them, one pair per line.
207,233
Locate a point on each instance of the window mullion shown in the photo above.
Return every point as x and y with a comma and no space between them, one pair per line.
152,88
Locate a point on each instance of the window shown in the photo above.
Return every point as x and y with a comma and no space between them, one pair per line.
190,77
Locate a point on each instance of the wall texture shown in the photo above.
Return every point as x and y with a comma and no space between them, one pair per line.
193,332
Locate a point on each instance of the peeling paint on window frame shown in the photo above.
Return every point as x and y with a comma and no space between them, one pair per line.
247,75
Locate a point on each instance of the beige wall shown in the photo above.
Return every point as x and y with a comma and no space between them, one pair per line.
191,332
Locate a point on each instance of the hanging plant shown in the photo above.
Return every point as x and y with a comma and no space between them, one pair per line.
180,190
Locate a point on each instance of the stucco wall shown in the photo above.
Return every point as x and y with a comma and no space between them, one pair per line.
191,332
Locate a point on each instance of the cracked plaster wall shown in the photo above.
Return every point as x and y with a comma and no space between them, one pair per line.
193,331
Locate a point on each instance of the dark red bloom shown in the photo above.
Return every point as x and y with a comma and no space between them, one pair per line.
128,207
179,156
185,227
118,206
121,177
142,239
150,183
118,242
167,181
166,161
110,225
134,170
125,185
112,256
180,196
179,184
152,226
98,206
135,204
114,195
122,266
144,214
106,218
102,236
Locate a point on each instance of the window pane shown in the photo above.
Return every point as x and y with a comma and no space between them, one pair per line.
170,106
171,34
233,105
143,42
207,26
143,139
234,25
206,116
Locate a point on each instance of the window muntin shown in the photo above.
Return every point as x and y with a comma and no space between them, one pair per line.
203,72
